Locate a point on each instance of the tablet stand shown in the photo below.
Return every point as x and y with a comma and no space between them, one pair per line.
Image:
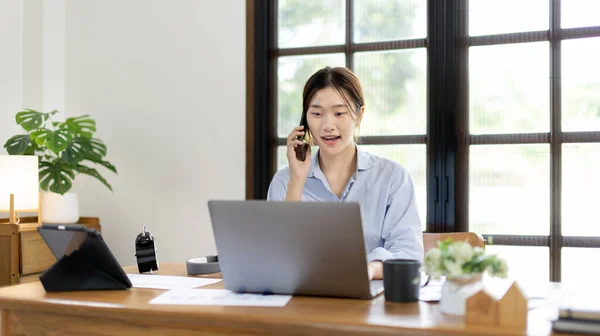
80,270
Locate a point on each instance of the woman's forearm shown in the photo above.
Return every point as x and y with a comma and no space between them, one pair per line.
294,190
376,270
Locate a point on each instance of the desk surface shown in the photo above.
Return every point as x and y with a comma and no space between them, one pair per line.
27,308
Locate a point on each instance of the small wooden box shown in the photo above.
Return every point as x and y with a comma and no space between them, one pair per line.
24,253
507,310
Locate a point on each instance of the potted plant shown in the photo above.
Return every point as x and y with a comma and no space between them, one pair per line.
65,149
463,266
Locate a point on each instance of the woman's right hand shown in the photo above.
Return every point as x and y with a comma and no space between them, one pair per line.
299,170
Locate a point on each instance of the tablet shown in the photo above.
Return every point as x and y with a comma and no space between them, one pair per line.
82,253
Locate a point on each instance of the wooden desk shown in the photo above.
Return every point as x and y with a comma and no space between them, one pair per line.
29,310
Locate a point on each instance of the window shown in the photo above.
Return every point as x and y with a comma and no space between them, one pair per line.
492,106
385,47
530,128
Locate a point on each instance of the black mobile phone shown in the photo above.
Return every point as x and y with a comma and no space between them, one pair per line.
302,149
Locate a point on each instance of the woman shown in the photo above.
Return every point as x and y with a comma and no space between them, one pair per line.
332,109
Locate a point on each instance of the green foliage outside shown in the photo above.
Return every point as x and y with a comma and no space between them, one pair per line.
384,75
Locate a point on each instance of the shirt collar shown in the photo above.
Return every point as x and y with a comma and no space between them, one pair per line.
316,169
363,162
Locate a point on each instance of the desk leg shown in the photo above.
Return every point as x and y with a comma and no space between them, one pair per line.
6,327
9,254
3,323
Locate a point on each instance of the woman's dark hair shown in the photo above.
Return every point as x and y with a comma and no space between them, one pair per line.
343,81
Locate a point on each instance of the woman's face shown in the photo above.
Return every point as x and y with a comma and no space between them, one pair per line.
331,122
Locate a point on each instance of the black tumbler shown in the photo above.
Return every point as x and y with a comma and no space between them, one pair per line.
401,280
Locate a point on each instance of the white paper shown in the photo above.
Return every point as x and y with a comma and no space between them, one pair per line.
168,281
219,297
432,292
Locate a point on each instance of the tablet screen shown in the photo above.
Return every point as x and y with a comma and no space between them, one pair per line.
64,240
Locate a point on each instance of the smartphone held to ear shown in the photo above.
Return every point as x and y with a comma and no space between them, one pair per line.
302,149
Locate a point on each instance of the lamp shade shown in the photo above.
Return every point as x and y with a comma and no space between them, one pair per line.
19,176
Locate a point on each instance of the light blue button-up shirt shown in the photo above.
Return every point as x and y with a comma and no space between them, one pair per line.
386,194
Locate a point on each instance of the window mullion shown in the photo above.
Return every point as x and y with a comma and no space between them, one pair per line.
442,97
349,35
264,38
462,120
450,113
555,142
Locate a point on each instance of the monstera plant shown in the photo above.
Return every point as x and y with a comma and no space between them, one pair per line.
65,149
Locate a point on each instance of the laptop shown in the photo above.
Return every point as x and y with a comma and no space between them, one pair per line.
299,248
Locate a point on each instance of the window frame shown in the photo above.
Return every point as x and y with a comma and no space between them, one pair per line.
448,139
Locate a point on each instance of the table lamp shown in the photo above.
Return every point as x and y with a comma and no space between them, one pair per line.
19,186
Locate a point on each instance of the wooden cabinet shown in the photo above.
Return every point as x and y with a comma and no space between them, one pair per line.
23,252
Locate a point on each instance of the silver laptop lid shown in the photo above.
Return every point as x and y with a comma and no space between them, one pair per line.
303,248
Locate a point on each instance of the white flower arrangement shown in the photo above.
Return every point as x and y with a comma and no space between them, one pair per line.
459,259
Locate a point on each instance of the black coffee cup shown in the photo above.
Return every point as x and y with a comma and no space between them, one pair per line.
401,280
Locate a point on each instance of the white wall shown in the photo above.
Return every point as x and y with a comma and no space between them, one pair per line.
11,60
32,62
165,81
53,62
33,56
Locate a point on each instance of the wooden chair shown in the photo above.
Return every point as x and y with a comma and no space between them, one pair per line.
430,239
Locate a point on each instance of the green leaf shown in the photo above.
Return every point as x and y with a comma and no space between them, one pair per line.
94,149
56,177
82,126
31,119
48,157
56,141
495,267
75,151
98,146
31,150
108,165
92,172
18,144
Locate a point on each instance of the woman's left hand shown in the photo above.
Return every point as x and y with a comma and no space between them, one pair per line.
375,269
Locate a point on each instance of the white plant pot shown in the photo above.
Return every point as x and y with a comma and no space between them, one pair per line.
60,209
455,293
